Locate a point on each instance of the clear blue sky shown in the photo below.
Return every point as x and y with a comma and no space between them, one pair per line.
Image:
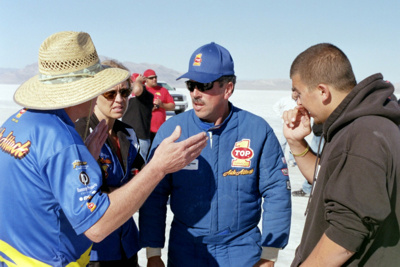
263,36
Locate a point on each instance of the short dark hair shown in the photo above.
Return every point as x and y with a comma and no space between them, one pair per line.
324,63
226,79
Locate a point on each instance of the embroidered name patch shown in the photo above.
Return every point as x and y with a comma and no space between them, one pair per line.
237,173
10,146
194,165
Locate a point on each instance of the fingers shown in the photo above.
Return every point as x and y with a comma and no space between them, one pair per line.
195,144
172,156
196,148
198,139
98,136
175,134
290,116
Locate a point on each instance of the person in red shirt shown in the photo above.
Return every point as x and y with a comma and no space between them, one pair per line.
163,102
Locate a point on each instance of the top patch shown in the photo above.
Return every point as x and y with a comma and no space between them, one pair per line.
242,154
197,60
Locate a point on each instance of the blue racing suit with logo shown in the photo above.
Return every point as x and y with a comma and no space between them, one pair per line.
124,240
216,200
49,191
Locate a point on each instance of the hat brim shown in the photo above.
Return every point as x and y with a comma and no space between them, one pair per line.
200,77
37,95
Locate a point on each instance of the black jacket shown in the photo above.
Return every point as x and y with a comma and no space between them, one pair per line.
138,114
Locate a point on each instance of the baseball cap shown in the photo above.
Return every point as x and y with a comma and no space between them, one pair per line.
149,73
134,76
208,63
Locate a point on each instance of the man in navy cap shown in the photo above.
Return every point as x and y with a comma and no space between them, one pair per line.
217,199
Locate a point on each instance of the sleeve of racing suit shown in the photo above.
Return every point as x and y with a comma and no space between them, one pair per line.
153,213
274,187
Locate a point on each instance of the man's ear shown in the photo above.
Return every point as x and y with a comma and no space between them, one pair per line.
325,93
229,90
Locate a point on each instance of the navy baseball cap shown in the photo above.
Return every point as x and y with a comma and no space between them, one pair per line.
208,63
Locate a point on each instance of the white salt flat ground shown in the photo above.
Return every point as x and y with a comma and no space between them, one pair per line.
256,101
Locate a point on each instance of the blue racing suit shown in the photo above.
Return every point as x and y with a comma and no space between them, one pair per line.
49,191
216,200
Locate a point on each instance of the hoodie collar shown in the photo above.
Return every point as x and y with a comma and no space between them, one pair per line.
370,97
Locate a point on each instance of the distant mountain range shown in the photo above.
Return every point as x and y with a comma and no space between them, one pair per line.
18,76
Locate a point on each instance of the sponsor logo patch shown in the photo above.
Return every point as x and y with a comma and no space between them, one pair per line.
91,206
233,172
197,60
104,165
85,190
84,178
242,154
10,146
20,113
288,186
85,198
79,164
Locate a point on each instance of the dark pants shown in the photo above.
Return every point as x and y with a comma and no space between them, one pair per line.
124,262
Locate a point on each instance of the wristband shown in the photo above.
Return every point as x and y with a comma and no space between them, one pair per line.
302,154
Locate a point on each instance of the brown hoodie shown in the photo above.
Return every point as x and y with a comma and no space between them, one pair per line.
356,200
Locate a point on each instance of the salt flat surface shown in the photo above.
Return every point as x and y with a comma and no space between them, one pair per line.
256,101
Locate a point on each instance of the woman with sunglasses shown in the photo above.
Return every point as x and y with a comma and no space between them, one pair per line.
120,161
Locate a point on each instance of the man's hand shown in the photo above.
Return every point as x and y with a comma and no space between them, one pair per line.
171,156
137,86
296,127
155,261
297,124
141,79
157,102
264,263
95,140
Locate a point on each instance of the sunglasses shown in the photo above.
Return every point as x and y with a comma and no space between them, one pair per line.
152,77
110,95
202,87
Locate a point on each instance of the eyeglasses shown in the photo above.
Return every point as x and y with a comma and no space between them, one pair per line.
110,95
152,77
202,87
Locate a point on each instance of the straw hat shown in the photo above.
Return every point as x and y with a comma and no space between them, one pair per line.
70,73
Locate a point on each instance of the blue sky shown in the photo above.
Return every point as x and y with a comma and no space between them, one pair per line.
263,36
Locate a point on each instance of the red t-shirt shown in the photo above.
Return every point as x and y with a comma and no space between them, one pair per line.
159,116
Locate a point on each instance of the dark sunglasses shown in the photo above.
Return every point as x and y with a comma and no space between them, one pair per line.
152,77
202,87
110,95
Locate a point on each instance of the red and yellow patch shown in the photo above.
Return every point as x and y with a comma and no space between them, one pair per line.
242,154
197,60
91,206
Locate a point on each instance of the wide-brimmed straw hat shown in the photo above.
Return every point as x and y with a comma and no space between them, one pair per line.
70,73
